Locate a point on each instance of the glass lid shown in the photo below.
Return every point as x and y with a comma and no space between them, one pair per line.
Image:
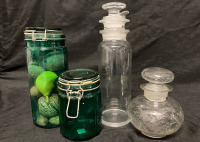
79,74
42,30
43,34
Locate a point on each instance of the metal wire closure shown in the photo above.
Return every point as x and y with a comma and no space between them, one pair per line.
78,94
35,32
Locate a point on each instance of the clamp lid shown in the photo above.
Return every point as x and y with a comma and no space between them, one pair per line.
43,34
79,74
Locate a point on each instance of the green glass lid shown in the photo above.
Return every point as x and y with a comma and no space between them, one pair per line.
79,74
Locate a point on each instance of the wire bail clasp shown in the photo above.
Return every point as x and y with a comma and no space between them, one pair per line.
45,36
71,95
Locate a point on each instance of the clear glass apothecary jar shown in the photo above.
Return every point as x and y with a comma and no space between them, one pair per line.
115,60
156,114
80,104
46,60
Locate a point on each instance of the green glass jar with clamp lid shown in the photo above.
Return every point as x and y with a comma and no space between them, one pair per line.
46,60
79,104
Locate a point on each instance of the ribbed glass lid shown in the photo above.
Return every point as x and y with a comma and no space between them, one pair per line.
79,74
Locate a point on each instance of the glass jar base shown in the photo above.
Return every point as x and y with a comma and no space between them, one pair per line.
80,137
47,126
115,118
153,136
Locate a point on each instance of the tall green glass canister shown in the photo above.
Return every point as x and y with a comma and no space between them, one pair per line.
46,60
80,104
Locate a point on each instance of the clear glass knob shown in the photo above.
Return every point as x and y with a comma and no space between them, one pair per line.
157,75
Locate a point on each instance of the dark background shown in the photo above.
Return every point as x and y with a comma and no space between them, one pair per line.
163,33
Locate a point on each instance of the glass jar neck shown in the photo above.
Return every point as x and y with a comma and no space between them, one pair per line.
48,43
156,92
155,96
114,36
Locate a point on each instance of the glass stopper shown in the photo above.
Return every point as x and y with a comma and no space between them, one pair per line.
157,75
113,7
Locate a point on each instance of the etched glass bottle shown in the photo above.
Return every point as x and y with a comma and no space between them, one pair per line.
115,57
155,114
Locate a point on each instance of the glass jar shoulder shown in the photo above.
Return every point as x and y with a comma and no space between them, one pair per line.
49,44
142,100
165,109
43,48
113,44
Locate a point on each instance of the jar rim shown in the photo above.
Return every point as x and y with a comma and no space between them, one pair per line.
43,34
65,81
79,74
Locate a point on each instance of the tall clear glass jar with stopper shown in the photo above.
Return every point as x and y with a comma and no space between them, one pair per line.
155,114
115,59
